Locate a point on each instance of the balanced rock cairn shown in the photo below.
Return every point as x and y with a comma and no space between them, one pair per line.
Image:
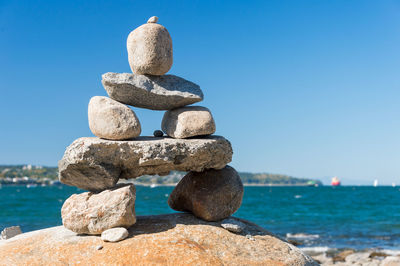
211,190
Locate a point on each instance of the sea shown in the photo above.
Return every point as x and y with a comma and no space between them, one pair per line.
316,218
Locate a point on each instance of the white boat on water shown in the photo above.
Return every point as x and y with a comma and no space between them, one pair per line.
393,184
375,182
335,181
31,185
153,185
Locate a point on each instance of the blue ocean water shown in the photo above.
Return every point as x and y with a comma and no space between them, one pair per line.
340,217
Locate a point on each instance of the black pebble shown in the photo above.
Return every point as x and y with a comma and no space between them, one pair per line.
158,133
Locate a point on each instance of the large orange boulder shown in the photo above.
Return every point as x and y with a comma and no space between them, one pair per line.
172,239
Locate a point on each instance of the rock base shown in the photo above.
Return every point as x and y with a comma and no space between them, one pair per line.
172,239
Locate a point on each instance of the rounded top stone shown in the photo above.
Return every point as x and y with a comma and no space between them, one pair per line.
150,49
153,19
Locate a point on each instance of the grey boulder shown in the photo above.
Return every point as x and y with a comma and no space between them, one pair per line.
211,195
110,119
90,213
96,164
151,92
189,121
10,232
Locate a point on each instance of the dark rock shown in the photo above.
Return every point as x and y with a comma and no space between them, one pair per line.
294,242
10,232
377,254
341,256
158,133
211,195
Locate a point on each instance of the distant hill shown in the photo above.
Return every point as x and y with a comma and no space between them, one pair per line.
31,171
40,173
276,179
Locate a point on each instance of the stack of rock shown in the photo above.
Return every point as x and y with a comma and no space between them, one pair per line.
211,190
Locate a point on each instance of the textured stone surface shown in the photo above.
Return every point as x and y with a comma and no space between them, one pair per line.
211,195
173,239
233,225
391,261
357,257
151,92
188,122
110,119
10,232
114,234
96,164
89,213
150,49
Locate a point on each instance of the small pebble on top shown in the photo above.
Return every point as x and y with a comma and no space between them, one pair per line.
158,133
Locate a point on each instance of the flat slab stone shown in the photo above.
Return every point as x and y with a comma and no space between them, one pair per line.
151,92
96,164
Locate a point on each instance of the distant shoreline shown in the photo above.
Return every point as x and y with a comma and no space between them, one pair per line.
38,184
244,184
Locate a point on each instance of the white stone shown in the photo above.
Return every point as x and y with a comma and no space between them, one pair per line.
114,234
153,19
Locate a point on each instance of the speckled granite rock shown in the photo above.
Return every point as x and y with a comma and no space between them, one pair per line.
89,213
151,92
173,239
96,164
150,49
211,195
110,119
189,121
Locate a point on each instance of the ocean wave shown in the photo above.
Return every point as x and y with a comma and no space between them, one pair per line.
302,236
391,252
316,250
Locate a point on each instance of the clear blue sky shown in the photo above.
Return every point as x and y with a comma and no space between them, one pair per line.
305,88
